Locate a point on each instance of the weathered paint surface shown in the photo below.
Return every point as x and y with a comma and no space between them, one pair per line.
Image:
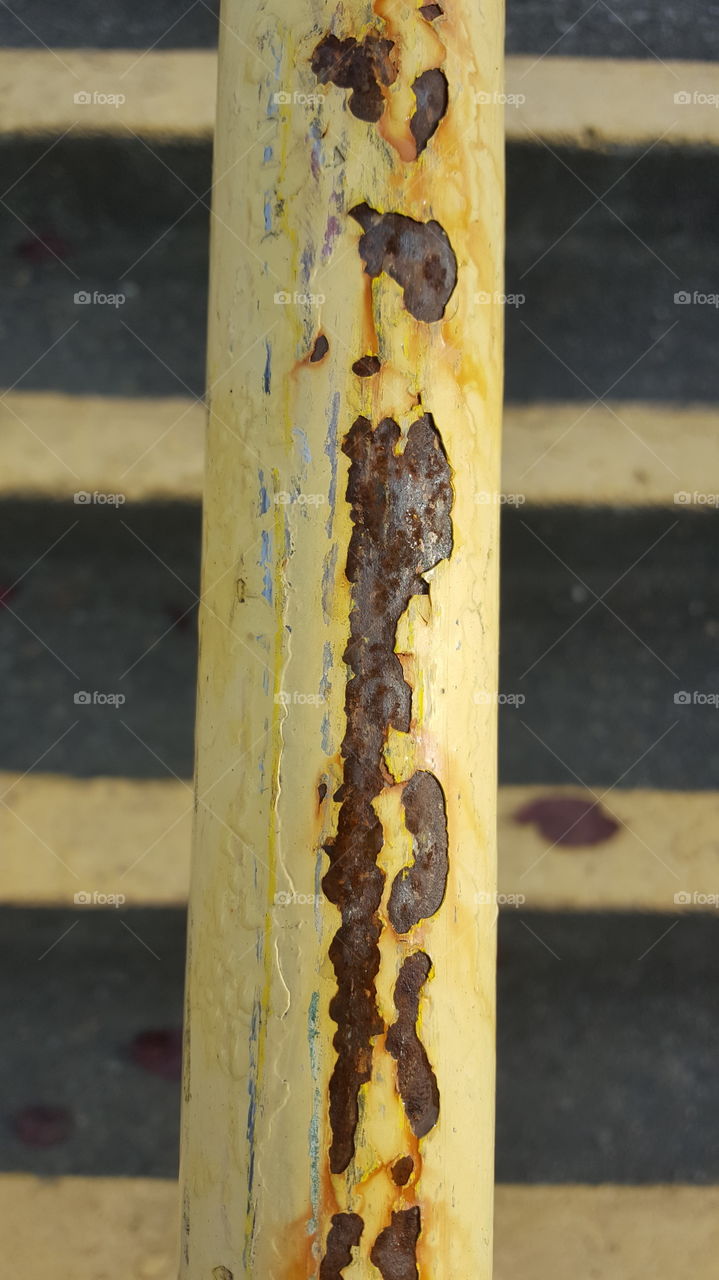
338,1116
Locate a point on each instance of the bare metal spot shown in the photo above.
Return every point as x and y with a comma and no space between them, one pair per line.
432,94
418,255
394,1252
402,1171
571,821
367,366
344,1234
415,1077
400,510
431,11
320,348
362,66
418,890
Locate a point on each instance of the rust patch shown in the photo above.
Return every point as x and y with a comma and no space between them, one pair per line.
344,1234
415,1077
367,366
321,791
320,349
363,66
571,821
402,1171
431,11
418,891
432,94
400,510
394,1252
418,255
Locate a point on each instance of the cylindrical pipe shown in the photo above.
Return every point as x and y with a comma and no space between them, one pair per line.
339,1070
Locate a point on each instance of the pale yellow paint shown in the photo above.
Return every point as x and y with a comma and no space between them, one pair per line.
100,836
593,102
60,836
56,446
167,94
628,453
258,962
624,453
126,1229
663,857
586,102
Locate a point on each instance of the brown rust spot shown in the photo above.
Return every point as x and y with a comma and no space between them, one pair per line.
222,1273
394,1252
320,349
400,510
415,1077
363,66
367,366
432,94
321,791
418,255
344,1235
431,11
418,890
402,1171
571,821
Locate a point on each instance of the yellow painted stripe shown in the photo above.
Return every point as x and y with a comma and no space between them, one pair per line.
128,1229
160,94
585,102
626,454
62,836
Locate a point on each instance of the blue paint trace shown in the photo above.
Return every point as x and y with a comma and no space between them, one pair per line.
266,563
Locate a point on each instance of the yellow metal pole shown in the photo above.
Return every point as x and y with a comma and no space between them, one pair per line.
339,1070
